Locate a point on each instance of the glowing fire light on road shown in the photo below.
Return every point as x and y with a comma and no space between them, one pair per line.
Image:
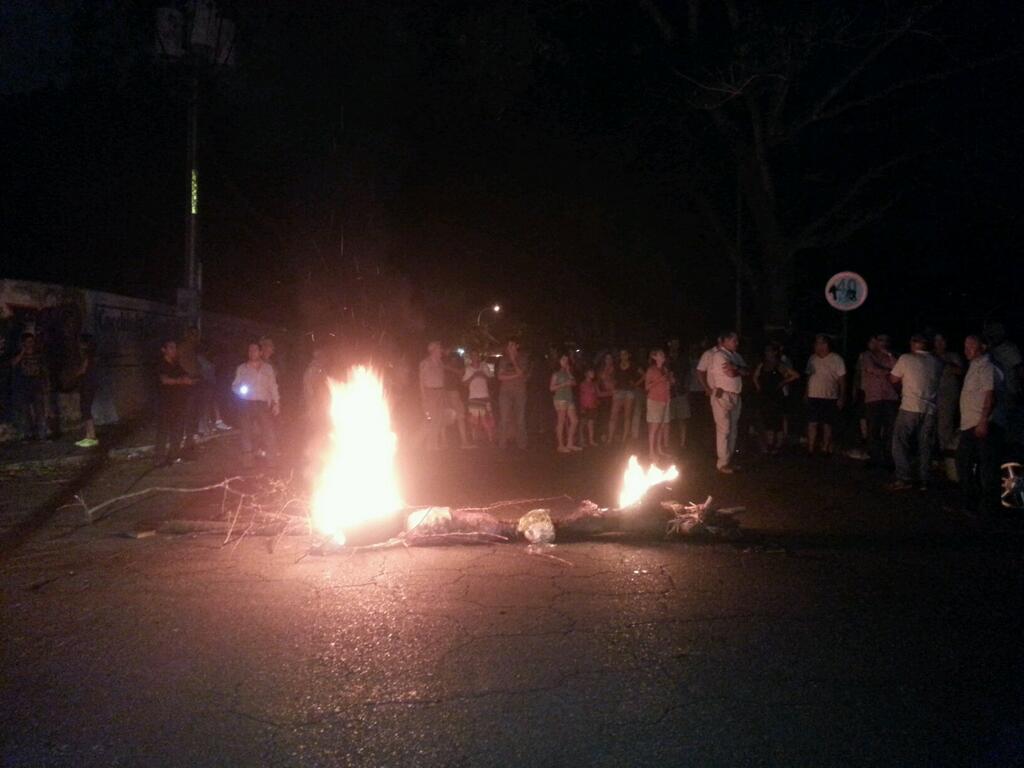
636,482
358,483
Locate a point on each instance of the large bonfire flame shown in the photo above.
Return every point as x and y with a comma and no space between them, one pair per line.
636,482
358,483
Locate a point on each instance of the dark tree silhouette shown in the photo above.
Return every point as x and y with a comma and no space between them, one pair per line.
804,118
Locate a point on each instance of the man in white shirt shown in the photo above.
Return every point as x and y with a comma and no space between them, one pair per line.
255,385
917,373
826,393
432,393
980,446
722,375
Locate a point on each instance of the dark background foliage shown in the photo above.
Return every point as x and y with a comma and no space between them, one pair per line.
402,165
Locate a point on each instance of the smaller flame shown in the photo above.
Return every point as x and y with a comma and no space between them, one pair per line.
636,482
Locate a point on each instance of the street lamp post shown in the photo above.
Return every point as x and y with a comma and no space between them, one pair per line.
496,308
199,36
192,220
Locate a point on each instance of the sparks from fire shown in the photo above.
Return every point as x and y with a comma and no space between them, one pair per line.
358,482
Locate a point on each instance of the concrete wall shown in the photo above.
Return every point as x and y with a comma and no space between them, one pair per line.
128,333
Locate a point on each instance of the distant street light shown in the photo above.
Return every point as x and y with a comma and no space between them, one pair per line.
495,309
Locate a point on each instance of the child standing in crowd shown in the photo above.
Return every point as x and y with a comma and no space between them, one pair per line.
658,385
562,383
589,402
481,417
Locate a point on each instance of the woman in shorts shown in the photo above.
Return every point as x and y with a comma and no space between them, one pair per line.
561,385
657,383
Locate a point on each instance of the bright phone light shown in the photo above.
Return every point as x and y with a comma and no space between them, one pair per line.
244,389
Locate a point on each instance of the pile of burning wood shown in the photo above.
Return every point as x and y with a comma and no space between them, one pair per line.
356,500
656,517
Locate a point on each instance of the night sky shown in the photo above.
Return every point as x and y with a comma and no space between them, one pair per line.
402,165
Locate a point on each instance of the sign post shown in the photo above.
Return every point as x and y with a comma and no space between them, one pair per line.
846,291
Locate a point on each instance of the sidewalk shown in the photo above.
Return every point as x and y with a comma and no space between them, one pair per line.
117,441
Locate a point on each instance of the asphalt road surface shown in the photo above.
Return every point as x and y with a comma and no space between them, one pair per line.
846,627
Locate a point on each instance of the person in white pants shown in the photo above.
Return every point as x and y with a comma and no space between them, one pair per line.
724,376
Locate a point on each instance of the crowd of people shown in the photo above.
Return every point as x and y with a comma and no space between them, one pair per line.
188,407
38,365
901,412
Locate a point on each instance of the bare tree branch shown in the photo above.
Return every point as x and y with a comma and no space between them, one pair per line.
858,69
706,209
855,224
782,93
913,82
665,27
835,216
733,13
760,148
730,90
852,225
726,88
693,18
